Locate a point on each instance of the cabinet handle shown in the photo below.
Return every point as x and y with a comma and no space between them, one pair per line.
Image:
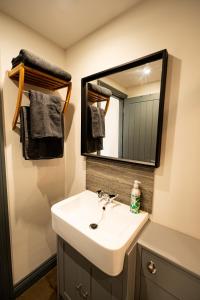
78,286
84,293
151,267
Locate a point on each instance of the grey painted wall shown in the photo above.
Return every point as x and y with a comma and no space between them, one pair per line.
117,177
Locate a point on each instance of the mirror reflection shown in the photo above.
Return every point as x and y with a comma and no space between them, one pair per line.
123,113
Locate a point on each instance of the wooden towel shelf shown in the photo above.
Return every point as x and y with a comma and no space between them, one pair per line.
24,74
95,97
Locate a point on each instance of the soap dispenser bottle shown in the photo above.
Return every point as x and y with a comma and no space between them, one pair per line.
135,197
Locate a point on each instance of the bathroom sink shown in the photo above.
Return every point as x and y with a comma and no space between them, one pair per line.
105,243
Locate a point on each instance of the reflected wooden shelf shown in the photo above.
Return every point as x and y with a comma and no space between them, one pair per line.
96,97
24,74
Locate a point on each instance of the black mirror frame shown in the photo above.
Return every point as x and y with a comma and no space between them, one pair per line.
163,54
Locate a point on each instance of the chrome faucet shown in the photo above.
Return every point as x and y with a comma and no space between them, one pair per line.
109,198
102,195
112,197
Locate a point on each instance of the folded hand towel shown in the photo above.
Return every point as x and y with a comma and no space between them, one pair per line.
45,115
99,89
36,149
98,121
31,60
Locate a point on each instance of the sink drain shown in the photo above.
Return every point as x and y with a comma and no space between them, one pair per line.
93,226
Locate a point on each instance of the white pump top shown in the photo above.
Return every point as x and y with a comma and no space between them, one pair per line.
136,184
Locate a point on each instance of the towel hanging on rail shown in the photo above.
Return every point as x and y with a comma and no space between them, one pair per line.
27,93
45,115
40,148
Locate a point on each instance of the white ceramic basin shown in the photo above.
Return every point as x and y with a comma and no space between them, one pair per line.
105,246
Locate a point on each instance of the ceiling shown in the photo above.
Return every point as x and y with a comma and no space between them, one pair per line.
136,76
65,21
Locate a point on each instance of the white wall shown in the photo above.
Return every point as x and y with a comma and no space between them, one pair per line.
33,186
111,140
151,26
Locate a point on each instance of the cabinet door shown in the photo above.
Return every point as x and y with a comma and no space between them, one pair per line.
105,287
151,291
170,277
76,275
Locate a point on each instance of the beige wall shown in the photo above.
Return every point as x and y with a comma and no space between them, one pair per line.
144,89
149,27
33,186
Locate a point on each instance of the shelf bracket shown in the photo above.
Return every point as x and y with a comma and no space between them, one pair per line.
69,90
19,97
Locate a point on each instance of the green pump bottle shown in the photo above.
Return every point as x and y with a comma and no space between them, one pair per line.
135,198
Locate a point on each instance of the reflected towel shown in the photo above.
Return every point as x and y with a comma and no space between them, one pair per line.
98,121
45,115
93,144
36,149
99,89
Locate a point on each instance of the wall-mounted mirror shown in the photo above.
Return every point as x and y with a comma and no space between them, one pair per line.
122,111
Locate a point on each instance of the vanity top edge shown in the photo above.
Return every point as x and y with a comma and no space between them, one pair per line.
177,247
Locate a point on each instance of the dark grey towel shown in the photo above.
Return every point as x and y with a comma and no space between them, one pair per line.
99,89
45,115
31,60
98,121
36,149
93,144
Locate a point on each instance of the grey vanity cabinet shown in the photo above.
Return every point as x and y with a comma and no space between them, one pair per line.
73,274
162,280
78,279
151,291
106,287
